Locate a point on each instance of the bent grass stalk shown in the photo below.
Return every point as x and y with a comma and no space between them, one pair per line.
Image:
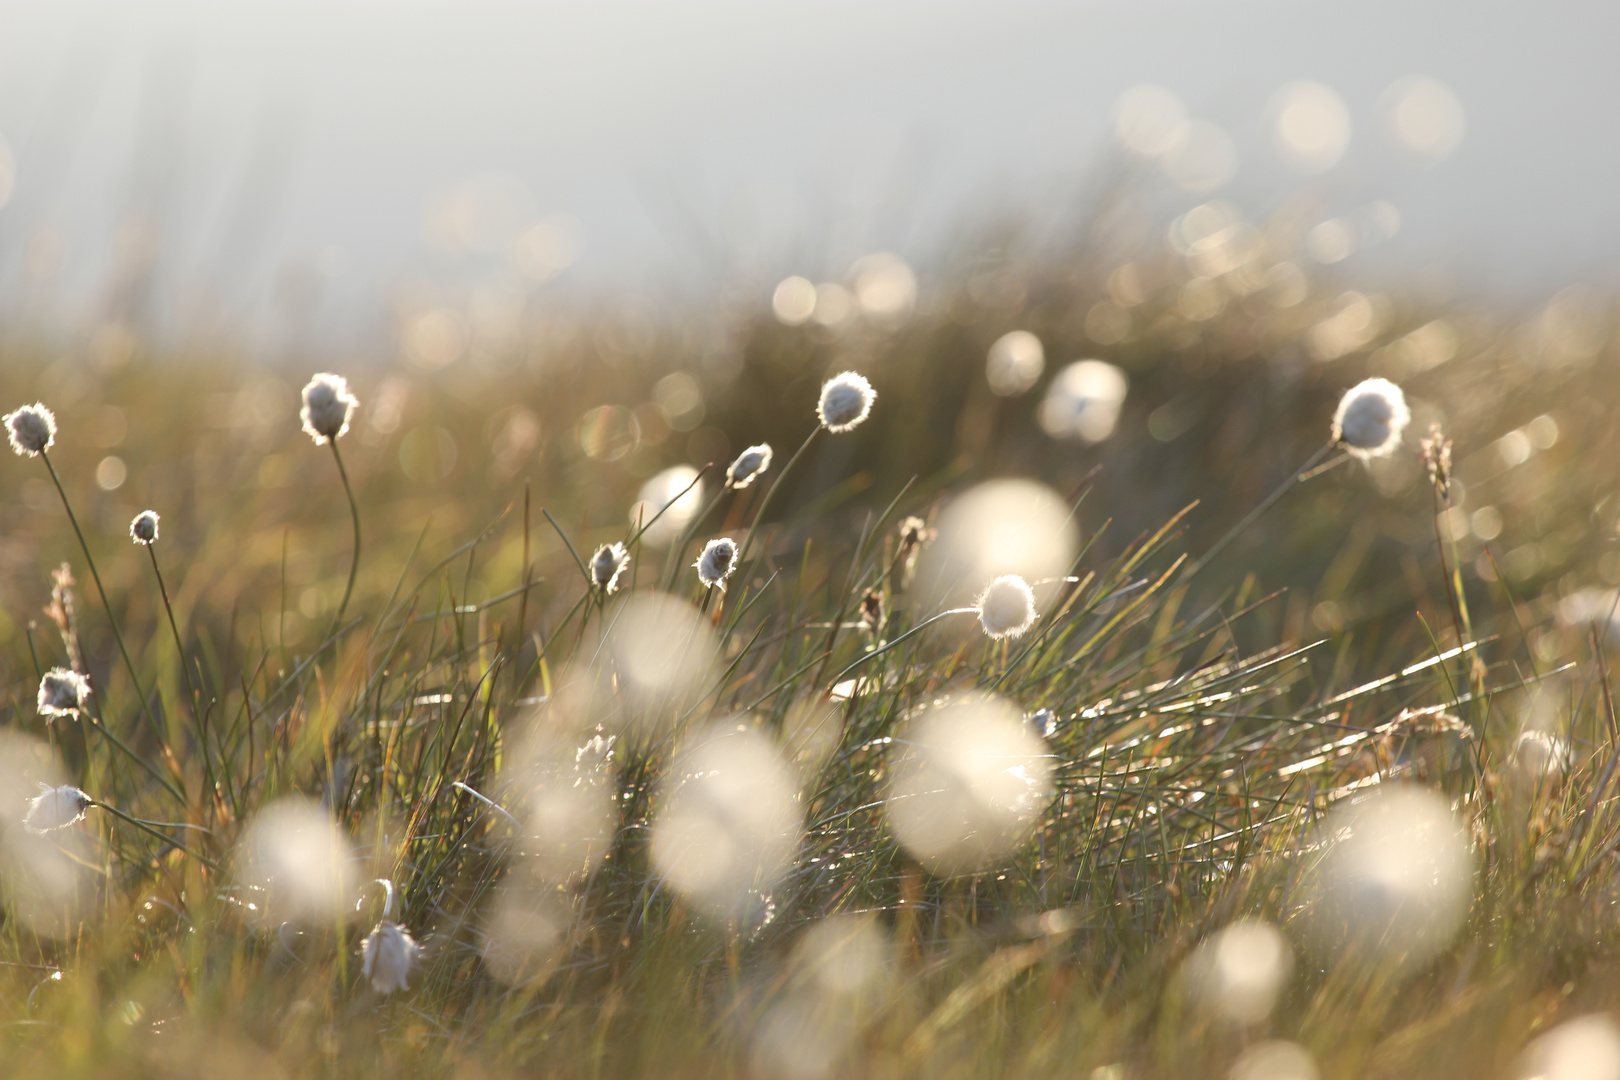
118,635
354,514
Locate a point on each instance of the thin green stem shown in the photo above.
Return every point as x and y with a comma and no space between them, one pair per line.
354,515
144,827
118,635
185,672
765,503
1298,476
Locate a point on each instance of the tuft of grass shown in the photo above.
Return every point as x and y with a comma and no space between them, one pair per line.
1200,726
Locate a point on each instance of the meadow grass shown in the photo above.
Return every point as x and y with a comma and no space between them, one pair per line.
452,692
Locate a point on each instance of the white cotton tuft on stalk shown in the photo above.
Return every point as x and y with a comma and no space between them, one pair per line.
31,429
328,407
389,952
846,400
1370,419
748,467
55,808
607,564
1007,607
717,562
144,528
62,692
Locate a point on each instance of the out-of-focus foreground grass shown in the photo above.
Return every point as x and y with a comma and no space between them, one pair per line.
636,837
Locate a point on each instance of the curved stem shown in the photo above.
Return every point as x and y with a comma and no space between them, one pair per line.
1298,476
354,514
891,644
765,503
106,604
144,827
185,672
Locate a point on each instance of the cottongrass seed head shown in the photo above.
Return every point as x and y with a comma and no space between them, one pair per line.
32,429
1370,419
607,563
389,952
55,808
914,533
718,560
750,464
328,407
62,692
144,529
1006,607
846,400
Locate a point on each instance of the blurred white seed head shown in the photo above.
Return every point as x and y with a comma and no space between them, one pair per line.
524,934
748,466
660,648
55,808
1539,754
914,533
1586,1048
1015,362
1395,879
970,784
32,429
295,854
666,504
1370,419
996,528
62,692
328,407
846,400
836,981
1275,1059
1007,607
389,952
729,824
144,528
607,563
1240,969
718,560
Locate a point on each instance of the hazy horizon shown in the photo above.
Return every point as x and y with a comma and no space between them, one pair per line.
247,158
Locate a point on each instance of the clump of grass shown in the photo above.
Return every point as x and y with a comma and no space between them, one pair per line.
506,737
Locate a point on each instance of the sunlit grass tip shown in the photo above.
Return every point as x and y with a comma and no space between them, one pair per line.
1006,607
328,407
62,692
144,528
31,429
1371,418
846,400
749,466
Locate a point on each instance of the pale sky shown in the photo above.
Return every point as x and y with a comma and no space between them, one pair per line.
691,145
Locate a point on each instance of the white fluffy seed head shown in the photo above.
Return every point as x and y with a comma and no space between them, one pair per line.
607,564
32,429
1370,418
144,529
846,400
718,560
390,952
62,692
328,407
55,808
748,466
1007,607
